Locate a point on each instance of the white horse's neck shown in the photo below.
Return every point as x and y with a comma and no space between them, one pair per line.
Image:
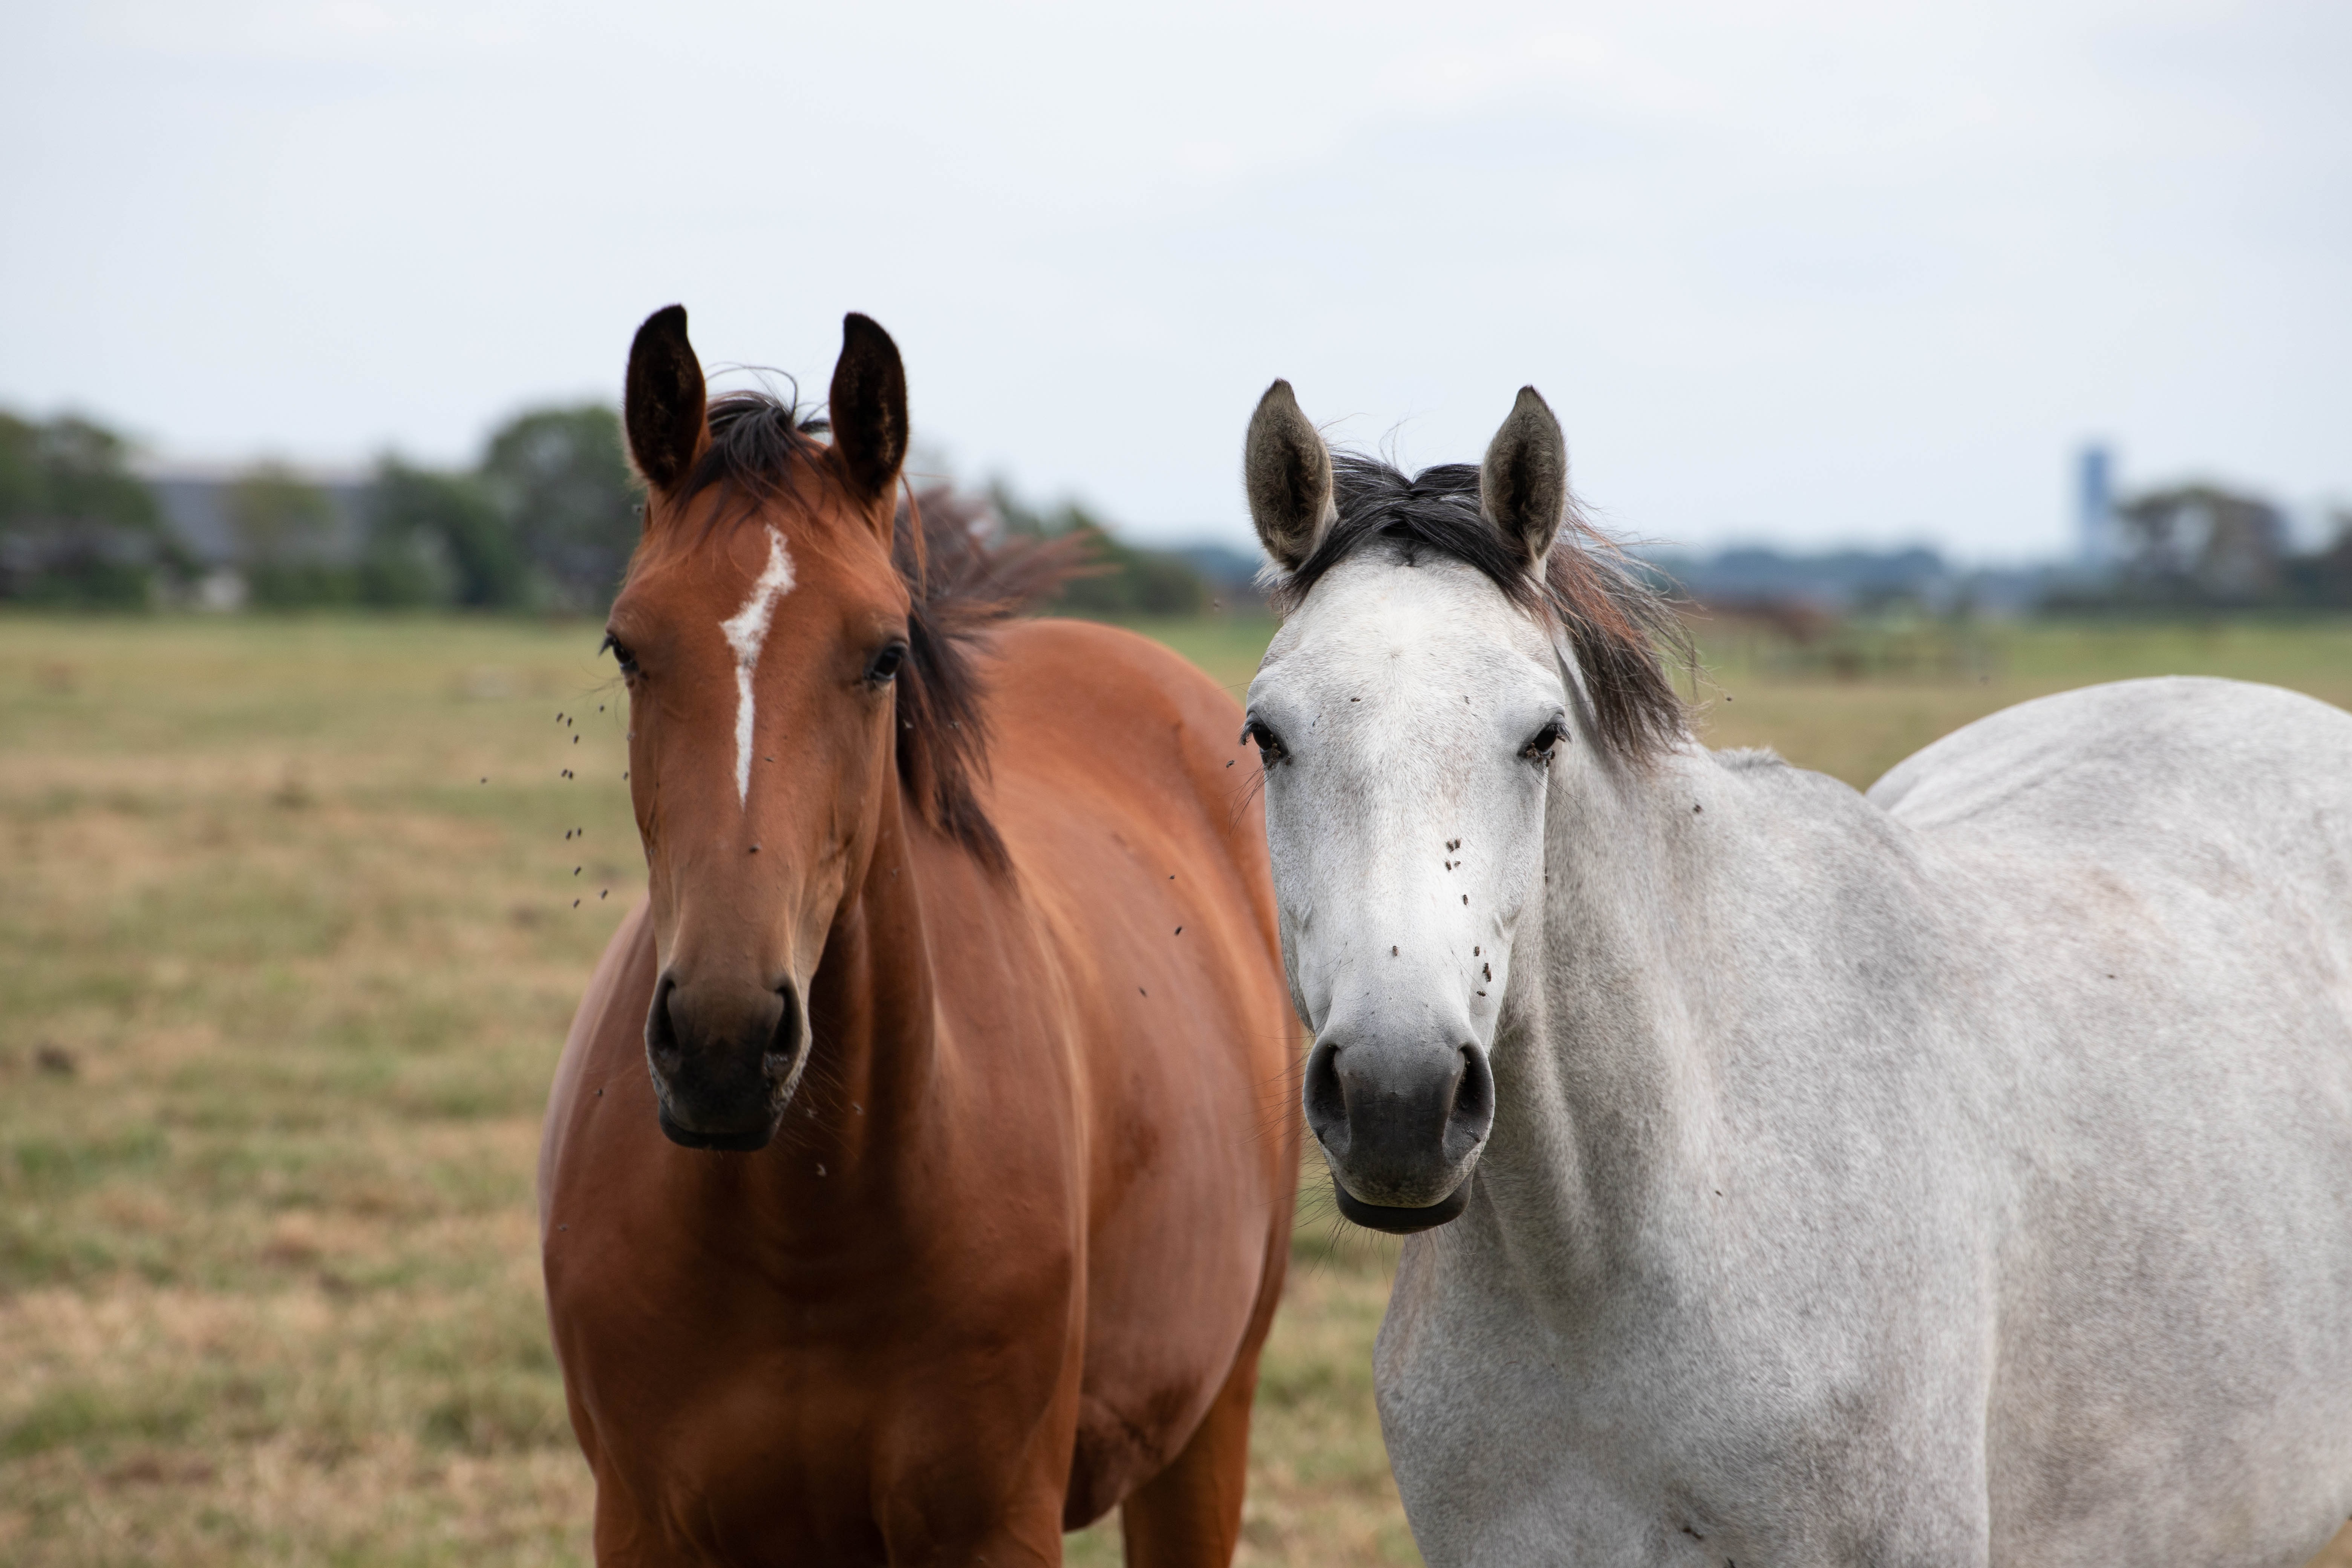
1662,897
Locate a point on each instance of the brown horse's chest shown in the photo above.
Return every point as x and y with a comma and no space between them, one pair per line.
759,1405
802,1461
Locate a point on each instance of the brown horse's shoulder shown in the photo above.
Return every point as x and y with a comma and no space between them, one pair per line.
603,1048
1053,637
1081,711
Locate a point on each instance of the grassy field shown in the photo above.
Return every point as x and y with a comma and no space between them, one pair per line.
291,931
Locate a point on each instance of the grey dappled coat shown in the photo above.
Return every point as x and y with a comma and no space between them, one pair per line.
1956,1174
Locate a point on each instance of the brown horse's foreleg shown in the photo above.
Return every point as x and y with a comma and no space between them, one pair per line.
1190,1515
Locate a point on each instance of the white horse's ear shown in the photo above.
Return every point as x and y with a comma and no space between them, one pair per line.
1286,470
1523,483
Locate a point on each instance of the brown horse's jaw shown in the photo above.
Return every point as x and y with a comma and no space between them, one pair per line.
744,1142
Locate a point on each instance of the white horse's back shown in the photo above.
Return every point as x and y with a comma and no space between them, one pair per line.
2204,811
2165,872
2140,770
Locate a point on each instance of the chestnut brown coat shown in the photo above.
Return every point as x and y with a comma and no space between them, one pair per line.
917,1175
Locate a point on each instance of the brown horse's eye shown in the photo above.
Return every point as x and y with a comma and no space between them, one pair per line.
883,668
621,654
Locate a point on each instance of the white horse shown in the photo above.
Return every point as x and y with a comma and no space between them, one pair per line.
1955,1174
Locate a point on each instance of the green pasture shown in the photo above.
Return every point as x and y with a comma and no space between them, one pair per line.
290,928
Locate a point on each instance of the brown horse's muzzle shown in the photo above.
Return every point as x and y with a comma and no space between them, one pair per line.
725,1059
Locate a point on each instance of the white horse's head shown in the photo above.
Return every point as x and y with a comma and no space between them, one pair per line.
1439,669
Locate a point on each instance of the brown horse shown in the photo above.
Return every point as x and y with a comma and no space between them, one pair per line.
954,1207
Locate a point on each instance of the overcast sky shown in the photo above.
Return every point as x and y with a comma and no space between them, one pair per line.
1813,273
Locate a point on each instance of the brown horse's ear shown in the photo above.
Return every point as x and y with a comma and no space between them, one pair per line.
1523,483
663,405
1286,470
868,406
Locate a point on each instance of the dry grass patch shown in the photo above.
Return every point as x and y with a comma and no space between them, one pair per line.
281,984
280,987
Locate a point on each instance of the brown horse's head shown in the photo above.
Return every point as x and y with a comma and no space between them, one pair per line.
762,631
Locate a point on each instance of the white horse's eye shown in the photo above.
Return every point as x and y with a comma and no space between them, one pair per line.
1270,749
1539,745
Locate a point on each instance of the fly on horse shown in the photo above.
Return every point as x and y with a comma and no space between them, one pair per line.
918,1176
1955,1176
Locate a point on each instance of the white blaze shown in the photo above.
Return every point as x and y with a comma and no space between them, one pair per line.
747,634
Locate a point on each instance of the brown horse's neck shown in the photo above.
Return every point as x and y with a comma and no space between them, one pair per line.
874,1022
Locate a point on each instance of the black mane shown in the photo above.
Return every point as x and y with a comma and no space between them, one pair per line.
1614,621
962,582
959,582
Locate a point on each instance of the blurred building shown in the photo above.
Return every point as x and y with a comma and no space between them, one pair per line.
199,508
220,515
2095,510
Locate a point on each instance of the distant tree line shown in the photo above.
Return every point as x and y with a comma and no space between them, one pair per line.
76,527
2202,548
545,519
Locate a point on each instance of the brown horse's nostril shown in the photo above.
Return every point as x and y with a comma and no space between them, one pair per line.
725,1058
790,1039
661,1030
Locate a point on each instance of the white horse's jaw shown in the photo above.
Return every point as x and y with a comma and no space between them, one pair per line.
746,635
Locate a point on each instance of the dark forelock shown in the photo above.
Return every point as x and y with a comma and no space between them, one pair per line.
1621,628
